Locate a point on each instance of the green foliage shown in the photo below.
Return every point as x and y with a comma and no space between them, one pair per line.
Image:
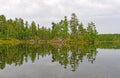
3,26
64,30
92,32
74,25
109,37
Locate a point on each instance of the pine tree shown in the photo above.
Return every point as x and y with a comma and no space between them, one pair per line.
74,25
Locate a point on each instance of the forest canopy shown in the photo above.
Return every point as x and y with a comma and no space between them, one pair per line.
66,30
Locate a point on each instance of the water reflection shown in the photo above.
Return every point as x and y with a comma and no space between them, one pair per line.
65,55
109,45
73,55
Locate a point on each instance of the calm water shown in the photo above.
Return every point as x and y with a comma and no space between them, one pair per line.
45,61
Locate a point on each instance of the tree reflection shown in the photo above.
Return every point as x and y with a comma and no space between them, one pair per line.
65,55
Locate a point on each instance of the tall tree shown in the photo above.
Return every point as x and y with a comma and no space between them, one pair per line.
91,29
33,30
64,28
3,26
26,31
10,28
74,25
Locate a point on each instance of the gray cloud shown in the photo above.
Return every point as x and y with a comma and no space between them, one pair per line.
105,13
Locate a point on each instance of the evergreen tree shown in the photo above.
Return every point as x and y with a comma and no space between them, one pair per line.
18,29
33,30
3,26
91,29
74,25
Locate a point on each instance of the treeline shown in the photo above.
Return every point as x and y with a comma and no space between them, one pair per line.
109,37
66,29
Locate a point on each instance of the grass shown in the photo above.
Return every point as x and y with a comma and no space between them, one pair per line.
10,41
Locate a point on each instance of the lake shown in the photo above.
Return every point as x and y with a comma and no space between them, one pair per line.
48,61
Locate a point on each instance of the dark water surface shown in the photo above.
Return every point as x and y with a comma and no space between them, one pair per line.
45,61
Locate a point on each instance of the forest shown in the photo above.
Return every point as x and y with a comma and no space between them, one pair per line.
65,31
109,37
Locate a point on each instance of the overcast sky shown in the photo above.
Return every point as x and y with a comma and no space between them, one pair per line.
104,13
